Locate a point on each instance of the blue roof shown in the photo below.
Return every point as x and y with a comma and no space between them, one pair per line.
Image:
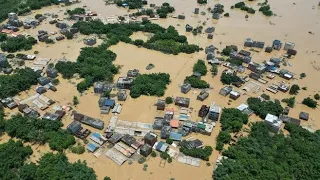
276,42
97,135
162,146
109,102
92,147
159,145
175,136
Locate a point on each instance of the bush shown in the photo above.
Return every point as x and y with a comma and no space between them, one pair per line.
229,78
317,96
294,90
304,88
262,108
265,96
37,16
75,100
76,11
153,154
49,41
202,153
202,1
226,15
55,82
289,101
138,42
106,178
164,155
200,67
78,149
303,75
169,141
169,100
196,82
142,160
214,69
310,102
150,85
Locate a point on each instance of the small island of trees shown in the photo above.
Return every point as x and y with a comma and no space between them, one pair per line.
150,85
14,44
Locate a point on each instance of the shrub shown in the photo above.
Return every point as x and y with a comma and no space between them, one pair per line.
169,141
37,16
265,96
153,154
75,100
106,178
289,101
196,82
303,75
169,100
142,160
78,149
304,88
214,69
310,102
229,78
200,67
55,82
202,153
226,15
138,42
317,96
294,89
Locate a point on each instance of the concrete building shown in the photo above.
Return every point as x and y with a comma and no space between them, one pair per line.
124,82
273,123
288,45
277,45
185,88
214,112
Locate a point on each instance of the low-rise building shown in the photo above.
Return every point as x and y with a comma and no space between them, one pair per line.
214,112
182,102
185,88
124,82
234,95
273,122
225,91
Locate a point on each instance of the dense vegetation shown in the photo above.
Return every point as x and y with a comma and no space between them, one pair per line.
164,40
262,108
317,96
229,78
310,102
294,90
235,61
202,1
202,153
150,85
164,10
265,156
231,120
93,64
196,82
21,80
289,101
39,131
22,7
132,4
228,50
200,67
265,9
76,11
14,44
244,7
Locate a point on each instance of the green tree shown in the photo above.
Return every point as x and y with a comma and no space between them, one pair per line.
78,149
310,102
294,89
262,108
169,100
106,178
317,96
289,101
37,16
196,82
265,96
214,70
229,78
200,67
75,100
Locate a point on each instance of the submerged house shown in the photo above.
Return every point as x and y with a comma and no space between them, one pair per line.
286,74
185,88
122,95
273,122
214,112
182,102
277,45
257,68
225,90
161,104
124,82
204,110
203,95
90,41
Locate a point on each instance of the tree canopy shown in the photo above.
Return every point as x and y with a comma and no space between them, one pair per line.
202,153
262,108
200,67
14,44
21,80
227,78
265,156
310,102
76,11
196,82
39,131
153,84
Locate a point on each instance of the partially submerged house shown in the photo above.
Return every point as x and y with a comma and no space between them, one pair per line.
204,110
133,73
277,45
185,88
287,119
161,104
150,138
286,74
257,68
175,136
165,132
188,28
51,117
182,102
44,80
161,146
124,82
273,123
225,91
90,41
245,109
214,112
304,116
122,95
288,45
243,56
203,95
234,95
75,128
52,73
145,150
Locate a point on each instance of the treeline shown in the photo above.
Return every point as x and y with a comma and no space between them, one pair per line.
76,11
39,131
50,166
242,6
14,44
150,85
132,4
21,80
265,156
202,153
93,64
165,40
262,108
231,120
22,7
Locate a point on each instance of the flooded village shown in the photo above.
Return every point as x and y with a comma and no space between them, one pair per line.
171,130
